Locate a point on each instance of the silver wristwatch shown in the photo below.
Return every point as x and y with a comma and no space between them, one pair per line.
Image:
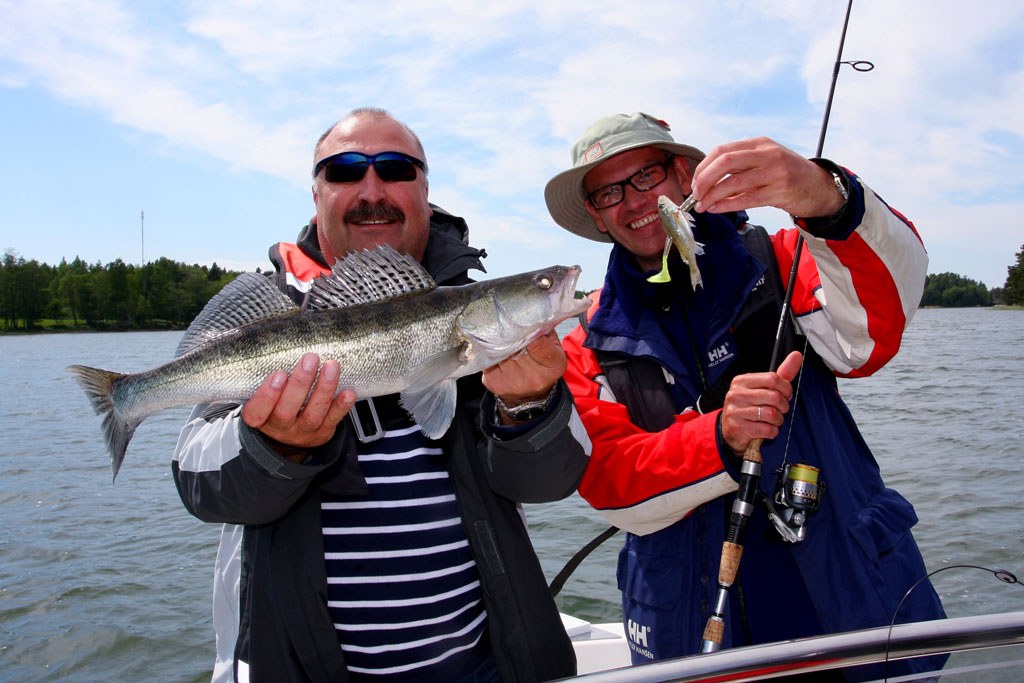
530,410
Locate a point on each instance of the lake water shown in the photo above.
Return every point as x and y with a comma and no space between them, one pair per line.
111,582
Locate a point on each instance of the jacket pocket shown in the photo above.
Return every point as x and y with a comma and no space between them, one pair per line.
651,587
891,562
883,524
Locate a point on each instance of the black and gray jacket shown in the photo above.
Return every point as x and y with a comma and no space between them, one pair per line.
282,631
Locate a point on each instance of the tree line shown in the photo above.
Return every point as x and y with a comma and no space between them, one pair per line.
161,294
165,294
950,290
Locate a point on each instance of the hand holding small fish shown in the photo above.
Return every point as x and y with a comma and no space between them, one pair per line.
761,172
756,403
280,411
530,374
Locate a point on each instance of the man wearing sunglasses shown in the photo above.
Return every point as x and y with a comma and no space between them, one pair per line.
354,548
672,383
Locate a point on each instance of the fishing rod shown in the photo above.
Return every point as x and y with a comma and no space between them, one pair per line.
750,470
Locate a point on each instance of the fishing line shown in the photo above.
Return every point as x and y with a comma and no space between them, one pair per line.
858,65
750,472
1003,575
796,399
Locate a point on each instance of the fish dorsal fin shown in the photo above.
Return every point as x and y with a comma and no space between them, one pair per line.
246,299
366,275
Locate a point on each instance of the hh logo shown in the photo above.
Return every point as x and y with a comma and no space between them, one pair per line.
715,355
638,633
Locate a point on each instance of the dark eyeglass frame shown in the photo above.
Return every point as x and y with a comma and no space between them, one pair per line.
635,180
351,167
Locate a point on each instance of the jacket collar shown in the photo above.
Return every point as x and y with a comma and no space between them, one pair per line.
629,318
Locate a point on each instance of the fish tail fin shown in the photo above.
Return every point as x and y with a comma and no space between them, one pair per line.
118,429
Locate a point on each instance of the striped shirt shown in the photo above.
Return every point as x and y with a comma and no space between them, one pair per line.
403,587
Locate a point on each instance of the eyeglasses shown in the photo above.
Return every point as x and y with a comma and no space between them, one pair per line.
350,167
645,179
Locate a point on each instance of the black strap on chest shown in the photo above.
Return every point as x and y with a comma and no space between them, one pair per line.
640,383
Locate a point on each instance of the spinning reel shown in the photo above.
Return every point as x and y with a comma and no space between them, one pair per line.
798,493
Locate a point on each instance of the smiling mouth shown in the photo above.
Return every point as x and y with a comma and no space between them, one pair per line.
645,221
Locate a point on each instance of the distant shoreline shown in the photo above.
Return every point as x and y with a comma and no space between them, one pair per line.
996,307
86,330
81,330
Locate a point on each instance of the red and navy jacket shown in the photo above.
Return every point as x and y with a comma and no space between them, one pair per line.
667,478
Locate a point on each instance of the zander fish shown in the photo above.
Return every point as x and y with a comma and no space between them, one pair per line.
678,225
378,313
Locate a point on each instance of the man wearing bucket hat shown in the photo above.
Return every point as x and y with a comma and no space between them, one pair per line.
671,381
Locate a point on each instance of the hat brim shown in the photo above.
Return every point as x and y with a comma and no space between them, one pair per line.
566,200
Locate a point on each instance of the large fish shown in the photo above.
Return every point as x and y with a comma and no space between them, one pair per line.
378,313
677,223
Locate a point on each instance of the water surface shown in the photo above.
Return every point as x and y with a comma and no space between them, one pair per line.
103,582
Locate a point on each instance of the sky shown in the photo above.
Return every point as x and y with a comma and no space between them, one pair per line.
185,130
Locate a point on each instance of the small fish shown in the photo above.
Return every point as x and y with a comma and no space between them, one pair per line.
378,313
677,223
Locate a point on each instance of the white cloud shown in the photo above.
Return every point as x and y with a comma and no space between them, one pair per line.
498,93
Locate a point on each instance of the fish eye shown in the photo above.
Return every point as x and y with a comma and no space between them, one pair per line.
544,281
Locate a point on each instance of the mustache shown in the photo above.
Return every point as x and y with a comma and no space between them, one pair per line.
365,211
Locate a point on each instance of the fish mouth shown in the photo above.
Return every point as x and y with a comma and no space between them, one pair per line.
643,222
562,301
572,276
570,303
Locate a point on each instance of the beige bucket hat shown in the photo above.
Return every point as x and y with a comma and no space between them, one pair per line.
605,138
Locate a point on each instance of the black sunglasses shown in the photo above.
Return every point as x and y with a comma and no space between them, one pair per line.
350,167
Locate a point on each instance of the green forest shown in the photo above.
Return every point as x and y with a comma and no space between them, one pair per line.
949,290
164,294
161,294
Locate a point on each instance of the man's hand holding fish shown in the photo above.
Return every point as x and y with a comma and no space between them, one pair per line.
528,376
281,412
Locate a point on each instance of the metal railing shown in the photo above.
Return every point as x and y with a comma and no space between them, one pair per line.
869,646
